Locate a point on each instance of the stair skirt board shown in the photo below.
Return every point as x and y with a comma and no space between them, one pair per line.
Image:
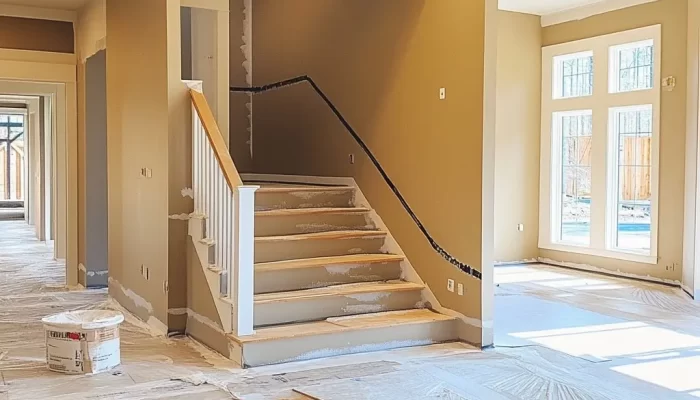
291,222
279,248
269,280
336,301
317,340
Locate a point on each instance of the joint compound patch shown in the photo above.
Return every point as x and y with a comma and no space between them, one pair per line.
187,192
180,217
369,297
363,308
338,269
138,300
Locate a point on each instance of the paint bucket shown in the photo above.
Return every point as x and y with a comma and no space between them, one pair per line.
83,342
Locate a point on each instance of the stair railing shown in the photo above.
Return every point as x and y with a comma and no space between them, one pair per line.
229,208
466,268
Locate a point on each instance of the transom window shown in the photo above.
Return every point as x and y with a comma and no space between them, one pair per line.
599,175
632,66
574,75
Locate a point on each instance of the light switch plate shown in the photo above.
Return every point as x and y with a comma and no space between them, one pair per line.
460,289
443,93
451,285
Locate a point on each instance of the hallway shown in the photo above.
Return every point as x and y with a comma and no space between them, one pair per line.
560,335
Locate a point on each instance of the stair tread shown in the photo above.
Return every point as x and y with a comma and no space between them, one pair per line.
346,234
294,189
344,324
324,261
310,211
337,290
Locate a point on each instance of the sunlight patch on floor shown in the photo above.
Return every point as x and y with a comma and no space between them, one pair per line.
679,374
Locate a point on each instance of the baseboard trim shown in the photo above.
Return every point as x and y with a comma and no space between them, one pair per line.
601,271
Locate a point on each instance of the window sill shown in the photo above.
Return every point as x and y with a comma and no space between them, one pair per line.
618,255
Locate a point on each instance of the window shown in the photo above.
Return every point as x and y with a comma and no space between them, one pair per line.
632,66
599,169
12,162
574,130
631,183
574,75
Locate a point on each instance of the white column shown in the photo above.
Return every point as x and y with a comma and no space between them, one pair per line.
242,279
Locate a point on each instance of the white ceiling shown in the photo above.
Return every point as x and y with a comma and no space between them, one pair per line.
543,7
69,5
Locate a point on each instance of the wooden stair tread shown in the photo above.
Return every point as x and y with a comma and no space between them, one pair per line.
344,324
327,261
295,189
310,211
349,234
337,290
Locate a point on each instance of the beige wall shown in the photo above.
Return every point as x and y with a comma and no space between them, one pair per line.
137,131
519,75
672,15
36,34
384,74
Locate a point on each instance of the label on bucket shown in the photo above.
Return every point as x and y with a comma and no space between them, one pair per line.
82,352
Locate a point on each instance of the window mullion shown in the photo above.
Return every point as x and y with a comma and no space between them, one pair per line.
599,177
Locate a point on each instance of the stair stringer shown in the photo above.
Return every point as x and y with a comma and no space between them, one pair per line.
202,245
467,327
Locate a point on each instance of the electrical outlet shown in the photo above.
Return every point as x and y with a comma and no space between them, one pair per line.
521,227
443,93
451,285
460,289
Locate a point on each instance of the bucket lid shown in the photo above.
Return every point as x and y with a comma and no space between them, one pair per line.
85,319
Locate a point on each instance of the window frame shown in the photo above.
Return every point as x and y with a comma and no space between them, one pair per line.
601,102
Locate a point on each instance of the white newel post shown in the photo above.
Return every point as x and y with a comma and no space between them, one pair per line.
242,279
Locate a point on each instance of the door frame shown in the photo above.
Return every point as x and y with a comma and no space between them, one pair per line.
54,75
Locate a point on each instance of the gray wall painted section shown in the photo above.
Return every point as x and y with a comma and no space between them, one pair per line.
96,170
186,29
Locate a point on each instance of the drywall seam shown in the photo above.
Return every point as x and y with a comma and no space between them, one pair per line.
179,217
202,319
604,271
247,50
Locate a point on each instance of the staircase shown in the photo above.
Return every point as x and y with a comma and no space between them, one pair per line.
294,271
325,284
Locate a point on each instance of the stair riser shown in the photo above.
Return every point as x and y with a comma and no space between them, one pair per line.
308,278
352,342
310,248
311,223
303,199
314,309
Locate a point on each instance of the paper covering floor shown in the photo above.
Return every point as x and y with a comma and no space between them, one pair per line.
560,334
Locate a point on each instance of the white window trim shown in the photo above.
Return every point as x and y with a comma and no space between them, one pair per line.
600,102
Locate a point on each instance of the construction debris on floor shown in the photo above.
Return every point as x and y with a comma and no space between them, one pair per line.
560,335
